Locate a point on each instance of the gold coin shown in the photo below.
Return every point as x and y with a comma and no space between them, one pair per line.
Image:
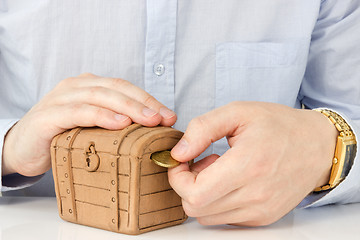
164,159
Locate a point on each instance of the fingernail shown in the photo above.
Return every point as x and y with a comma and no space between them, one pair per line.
149,112
180,148
120,117
166,113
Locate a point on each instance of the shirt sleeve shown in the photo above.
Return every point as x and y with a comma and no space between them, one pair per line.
332,80
14,181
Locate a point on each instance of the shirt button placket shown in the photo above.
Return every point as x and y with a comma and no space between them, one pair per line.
160,50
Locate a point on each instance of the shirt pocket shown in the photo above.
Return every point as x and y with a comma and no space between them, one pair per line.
259,71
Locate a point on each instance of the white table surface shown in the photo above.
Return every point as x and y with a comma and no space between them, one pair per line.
37,218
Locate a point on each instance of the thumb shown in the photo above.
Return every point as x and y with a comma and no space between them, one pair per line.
208,128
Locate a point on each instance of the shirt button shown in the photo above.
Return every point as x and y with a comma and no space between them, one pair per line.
159,69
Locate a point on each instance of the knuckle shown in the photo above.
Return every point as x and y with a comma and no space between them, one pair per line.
98,115
197,123
66,82
261,217
260,197
95,115
86,74
255,219
234,104
120,83
196,202
203,221
260,168
191,212
129,103
172,179
76,107
255,173
262,221
149,100
93,91
98,112
267,221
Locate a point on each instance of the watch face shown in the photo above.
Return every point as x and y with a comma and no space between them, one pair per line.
349,158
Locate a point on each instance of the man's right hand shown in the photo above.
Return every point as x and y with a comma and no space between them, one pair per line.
86,101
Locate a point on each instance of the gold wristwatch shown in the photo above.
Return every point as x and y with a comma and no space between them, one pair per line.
345,150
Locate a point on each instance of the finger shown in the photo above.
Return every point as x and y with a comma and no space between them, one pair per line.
239,217
179,177
125,87
200,165
246,196
183,175
206,129
109,99
85,115
210,184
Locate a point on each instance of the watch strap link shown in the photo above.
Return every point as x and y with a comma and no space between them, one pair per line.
339,164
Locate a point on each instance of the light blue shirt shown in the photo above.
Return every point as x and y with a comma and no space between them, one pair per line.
193,56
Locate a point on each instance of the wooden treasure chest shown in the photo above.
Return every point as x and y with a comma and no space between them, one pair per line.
106,179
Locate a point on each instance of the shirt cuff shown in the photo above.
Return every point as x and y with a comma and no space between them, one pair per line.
13,181
348,191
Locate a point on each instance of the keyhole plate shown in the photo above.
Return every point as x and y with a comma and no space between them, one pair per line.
92,162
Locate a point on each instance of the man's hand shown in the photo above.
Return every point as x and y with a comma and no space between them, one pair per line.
277,156
86,101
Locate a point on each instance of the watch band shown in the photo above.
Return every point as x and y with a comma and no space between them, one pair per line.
345,150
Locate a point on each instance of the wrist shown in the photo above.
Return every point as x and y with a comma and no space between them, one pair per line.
344,153
328,134
7,157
